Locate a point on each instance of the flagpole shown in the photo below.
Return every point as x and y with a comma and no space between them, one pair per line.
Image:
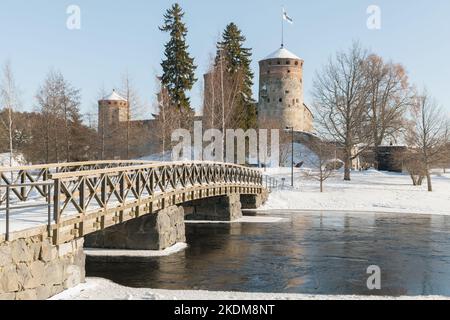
282,28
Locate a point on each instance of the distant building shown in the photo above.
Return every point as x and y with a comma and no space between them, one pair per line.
281,92
113,126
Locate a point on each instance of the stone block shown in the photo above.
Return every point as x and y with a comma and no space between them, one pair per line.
65,249
54,273
7,296
54,290
26,279
43,292
20,252
29,294
5,255
37,271
9,280
73,276
48,251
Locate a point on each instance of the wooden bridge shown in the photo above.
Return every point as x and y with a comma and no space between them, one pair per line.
49,211
81,198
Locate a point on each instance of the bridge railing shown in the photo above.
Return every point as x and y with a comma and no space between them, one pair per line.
73,189
23,205
24,181
87,191
270,183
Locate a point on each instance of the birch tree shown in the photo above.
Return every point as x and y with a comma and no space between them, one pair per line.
10,102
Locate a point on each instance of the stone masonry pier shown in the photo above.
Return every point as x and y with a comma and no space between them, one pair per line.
222,208
156,231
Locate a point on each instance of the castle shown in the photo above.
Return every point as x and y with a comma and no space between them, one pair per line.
119,136
280,105
281,101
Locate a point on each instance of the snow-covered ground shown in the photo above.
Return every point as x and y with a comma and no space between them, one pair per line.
370,190
102,289
17,160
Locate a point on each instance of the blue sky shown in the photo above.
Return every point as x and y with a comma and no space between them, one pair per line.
119,36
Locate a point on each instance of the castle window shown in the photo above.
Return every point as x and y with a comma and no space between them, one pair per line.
281,99
268,71
288,62
286,92
296,63
278,62
293,101
268,99
289,71
296,100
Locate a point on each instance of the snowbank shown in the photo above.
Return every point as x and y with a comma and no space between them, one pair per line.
370,190
102,289
135,253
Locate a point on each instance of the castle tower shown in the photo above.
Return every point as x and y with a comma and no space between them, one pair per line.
112,110
281,92
112,115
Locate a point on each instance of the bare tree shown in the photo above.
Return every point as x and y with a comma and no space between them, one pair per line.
341,98
135,109
409,161
59,104
10,102
167,119
322,160
389,99
428,133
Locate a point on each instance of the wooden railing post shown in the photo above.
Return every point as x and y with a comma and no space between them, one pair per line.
56,209
82,195
23,190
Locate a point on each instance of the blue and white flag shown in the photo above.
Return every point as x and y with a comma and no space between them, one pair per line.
286,17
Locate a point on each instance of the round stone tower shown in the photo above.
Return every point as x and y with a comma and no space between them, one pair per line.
281,92
112,110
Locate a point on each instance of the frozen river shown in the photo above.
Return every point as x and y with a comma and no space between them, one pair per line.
314,253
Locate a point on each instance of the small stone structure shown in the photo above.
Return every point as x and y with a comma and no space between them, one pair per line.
250,201
33,268
156,231
222,208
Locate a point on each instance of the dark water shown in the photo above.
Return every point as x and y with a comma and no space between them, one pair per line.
308,253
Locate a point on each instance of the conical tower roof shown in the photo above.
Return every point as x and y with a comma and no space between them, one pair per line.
114,96
282,53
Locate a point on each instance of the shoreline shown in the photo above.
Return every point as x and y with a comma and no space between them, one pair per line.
103,289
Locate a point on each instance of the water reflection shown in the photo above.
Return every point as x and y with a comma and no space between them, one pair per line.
321,253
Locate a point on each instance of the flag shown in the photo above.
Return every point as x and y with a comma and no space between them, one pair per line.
287,18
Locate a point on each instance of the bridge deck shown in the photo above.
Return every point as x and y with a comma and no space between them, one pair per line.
88,200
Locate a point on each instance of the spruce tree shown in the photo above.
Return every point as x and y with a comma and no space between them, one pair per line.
178,67
238,59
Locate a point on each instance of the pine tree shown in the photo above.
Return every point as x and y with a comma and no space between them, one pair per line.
237,59
178,67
